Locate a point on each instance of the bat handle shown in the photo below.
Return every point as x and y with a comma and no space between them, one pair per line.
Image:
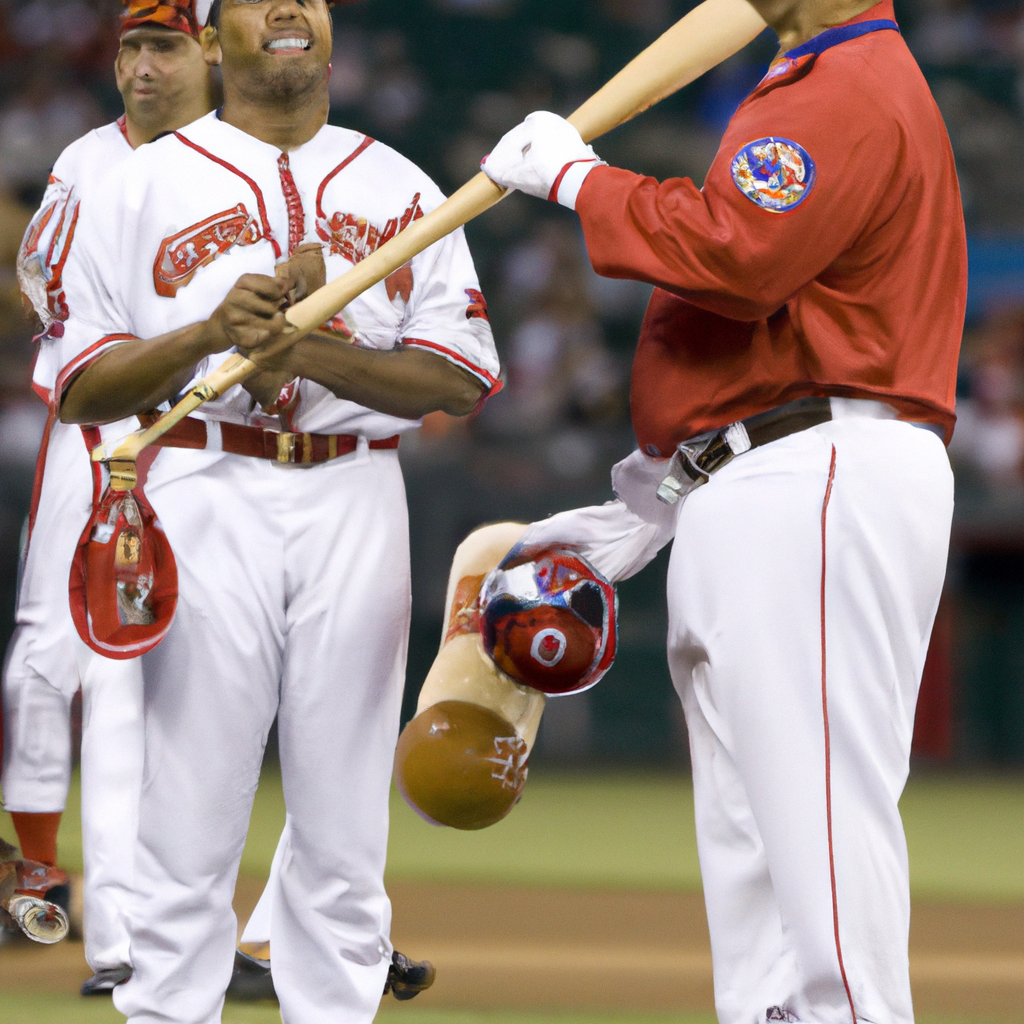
232,371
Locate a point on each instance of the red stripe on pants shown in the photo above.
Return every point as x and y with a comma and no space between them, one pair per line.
828,745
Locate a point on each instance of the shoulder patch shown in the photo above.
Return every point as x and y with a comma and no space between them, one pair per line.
775,174
44,252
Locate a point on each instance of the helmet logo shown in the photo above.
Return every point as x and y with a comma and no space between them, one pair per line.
548,647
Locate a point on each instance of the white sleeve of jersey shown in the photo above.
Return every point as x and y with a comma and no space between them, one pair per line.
448,313
96,317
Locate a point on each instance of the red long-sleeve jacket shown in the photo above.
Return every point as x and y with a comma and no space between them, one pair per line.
825,254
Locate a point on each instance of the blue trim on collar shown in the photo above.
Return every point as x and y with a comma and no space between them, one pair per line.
841,34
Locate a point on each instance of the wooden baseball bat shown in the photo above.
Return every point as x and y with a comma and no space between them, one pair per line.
701,40
696,43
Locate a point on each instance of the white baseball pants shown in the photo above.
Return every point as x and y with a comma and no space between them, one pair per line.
802,588
46,664
294,600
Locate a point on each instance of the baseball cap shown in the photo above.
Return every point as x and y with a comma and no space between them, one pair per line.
187,16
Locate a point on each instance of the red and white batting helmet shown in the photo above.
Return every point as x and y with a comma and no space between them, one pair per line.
548,619
124,581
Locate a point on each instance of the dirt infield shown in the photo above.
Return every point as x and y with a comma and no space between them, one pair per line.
535,948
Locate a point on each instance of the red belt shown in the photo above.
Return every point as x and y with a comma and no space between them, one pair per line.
278,446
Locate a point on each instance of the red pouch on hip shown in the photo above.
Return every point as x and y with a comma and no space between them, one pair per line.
124,581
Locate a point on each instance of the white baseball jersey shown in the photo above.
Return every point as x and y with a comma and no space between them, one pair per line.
47,662
162,253
293,580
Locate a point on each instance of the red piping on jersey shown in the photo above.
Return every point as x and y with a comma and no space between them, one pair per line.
365,144
494,382
81,361
122,123
293,201
260,204
828,744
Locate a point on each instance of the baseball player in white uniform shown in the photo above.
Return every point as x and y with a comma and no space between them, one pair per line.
291,543
165,83
792,386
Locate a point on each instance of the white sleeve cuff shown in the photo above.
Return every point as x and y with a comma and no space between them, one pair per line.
572,181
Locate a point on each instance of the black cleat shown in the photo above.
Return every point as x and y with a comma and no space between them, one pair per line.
103,982
251,980
408,978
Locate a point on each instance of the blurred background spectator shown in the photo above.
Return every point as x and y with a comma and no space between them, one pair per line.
441,80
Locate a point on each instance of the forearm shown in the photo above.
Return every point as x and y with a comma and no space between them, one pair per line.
408,383
135,376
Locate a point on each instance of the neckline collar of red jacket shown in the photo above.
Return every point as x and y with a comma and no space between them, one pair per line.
876,19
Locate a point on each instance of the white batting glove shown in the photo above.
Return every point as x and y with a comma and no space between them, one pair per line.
544,157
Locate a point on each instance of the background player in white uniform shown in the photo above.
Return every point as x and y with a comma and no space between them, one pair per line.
165,83
294,591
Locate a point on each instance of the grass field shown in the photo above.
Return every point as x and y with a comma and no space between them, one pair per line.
966,836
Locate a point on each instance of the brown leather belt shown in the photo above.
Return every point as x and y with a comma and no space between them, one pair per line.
277,446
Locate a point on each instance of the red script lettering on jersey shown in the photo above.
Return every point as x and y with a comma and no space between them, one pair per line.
182,254
355,237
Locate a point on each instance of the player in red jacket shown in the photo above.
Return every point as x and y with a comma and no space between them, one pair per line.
792,387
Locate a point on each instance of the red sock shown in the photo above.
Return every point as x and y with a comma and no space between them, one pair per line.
37,834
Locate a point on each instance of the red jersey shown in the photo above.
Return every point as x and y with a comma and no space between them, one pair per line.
825,254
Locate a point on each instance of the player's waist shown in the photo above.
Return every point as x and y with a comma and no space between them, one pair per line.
259,443
697,458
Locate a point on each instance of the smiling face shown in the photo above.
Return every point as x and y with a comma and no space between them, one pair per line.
272,49
162,77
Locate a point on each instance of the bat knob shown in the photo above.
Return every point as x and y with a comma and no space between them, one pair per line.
123,475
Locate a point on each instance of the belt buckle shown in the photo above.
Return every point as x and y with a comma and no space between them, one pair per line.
684,474
285,447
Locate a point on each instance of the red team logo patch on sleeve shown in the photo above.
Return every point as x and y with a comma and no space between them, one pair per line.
775,174
181,255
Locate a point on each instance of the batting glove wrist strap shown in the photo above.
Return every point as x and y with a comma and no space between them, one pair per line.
544,157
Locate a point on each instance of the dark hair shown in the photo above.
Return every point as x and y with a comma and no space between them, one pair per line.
214,18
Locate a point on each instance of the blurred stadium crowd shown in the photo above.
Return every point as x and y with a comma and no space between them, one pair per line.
441,80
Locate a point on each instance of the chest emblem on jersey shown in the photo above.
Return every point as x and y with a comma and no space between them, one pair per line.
355,237
182,254
775,174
